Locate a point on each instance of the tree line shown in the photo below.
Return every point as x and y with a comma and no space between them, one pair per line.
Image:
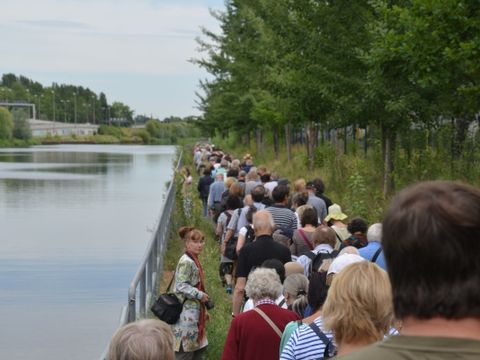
390,67
63,103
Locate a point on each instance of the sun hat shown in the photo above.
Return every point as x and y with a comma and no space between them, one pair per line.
343,261
335,212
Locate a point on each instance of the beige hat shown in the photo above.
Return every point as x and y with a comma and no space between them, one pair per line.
293,267
342,261
335,212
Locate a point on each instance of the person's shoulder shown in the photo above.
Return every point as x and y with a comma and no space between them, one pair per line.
378,350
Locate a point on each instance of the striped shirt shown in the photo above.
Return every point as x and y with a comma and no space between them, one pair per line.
304,344
283,217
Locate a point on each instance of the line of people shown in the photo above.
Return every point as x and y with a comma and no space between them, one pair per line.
307,284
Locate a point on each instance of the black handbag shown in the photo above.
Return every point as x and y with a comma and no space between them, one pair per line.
167,307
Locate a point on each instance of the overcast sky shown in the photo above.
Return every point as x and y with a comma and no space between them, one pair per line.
135,51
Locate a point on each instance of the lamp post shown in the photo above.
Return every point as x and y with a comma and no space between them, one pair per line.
53,103
75,106
65,110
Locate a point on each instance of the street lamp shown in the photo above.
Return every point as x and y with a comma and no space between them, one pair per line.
53,103
75,106
65,110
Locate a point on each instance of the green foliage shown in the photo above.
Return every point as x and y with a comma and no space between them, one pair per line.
111,130
6,124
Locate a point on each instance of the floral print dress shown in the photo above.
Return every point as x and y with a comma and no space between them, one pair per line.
186,328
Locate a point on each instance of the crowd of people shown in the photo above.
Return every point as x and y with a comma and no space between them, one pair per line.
309,282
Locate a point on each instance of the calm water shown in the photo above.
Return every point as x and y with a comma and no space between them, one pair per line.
74,225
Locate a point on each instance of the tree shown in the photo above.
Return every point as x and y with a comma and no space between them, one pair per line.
6,124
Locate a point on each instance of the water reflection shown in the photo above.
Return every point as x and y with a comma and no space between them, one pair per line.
74,224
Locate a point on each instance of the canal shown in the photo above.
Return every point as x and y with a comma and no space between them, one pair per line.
74,224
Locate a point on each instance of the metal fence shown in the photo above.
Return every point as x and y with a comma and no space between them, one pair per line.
144,285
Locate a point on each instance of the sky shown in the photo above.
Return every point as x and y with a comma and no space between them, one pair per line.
135,51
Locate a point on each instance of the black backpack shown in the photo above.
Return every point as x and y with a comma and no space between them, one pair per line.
317,259
250,235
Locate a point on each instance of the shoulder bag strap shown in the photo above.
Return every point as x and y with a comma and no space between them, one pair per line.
319,333
269,321
305,239
376,255
171,282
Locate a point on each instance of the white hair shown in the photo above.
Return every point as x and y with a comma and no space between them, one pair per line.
263,220
263,283
374,232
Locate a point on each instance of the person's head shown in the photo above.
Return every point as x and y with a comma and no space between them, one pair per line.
230,181
319,186
241,175
431,240
263,223
258,193
143,340
219,177
233,172
324,235
280,194
299,199
349,250
374,232
249,215
358,308
263,284
276,265
265,178
293,267
311,187
233,202
295,289
252,175
357,225
236,189
193,239
340,263
309,217
335,213
224,163
207,172
317,290
261,170
299,185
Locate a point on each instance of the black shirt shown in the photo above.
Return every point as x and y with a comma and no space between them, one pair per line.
254,254
204,186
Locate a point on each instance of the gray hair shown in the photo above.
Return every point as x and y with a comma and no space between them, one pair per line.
143,340
263,220
374,232
263,283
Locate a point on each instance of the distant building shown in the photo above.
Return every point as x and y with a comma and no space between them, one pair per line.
42,128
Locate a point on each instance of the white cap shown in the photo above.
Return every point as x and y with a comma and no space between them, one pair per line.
342,261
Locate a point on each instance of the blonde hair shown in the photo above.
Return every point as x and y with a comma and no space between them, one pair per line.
143,340
230,180
299,185
359,304
301,209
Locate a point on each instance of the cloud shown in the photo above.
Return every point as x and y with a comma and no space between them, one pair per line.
102,36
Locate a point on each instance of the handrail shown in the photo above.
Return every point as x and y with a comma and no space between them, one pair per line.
147,275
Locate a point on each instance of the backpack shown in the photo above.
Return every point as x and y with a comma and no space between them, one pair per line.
231,246
250,235
317,260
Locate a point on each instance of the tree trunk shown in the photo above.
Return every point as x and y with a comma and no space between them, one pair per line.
288,140
276,145
388,146
365,141
345,140
248,139
258,141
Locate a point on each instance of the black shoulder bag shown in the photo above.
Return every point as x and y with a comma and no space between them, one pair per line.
167,307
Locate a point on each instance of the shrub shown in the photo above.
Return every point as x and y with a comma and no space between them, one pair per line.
6,124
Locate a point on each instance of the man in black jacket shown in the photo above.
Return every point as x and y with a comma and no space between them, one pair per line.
204,188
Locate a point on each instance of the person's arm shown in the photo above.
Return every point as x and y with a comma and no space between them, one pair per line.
219,229
183,276
241,240
238,294
288,352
